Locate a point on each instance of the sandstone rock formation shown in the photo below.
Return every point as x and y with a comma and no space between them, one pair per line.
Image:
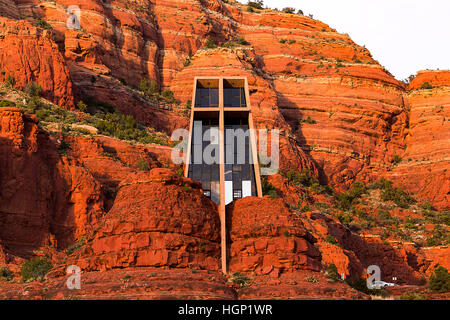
153,234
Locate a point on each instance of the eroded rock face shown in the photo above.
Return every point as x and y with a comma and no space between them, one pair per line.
43,195
267,238
30,55
158,220
340,115
425,164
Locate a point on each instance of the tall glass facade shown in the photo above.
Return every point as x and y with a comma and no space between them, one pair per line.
234,98
205,133
239,169
207,97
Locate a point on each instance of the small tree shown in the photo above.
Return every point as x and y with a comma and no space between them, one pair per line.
426,85
149,88
10,81
35,269
289,10
210,43
143,165
82,106
257,4
33,89
269,189
332,272
440,280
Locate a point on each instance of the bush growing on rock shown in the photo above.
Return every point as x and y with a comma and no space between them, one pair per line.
411,296
40,23
35,269
82,106
210,43
331,240
440,237
269,189
240,279
10,81
168,96
426,85
142,165
288,10
311,279
6,274
33,89
149,88
347,199
332,272
440,280
6,103
389,193
257,4
75,246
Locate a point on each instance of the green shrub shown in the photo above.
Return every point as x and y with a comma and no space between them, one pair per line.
35,269
360,284
142,165
440,280
210,43
6,103
240,279
168,96
347,199
332,272
311,279
10,81
42,24
305,209
331,240
396,160
110,121
440,237
427,206
386,218
63,147
6,274
257,4
345,219
149,88
426,85
283,40
33,89
269,189
242,41
75,246
288,10
82,106
304,179
389,193
411,296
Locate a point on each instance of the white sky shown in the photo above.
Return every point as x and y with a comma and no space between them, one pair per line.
403,35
